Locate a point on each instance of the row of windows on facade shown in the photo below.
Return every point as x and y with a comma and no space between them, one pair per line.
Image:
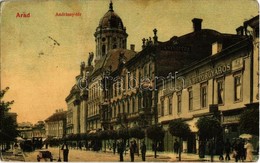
104,47
126,82
93,109
92,124
203,96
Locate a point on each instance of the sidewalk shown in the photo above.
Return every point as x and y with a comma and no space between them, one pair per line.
8,156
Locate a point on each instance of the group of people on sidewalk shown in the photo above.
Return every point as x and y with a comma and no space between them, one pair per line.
133,149
240,150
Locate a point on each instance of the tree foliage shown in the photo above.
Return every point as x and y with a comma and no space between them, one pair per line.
136,132
179,128
249,121
155,133
209,127
8,126
123,133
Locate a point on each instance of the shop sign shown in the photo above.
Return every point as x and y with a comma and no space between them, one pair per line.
237,64
210,73
233,118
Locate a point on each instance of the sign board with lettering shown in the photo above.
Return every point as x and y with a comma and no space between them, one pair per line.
237,64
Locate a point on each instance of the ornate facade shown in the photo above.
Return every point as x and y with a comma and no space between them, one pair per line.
198,74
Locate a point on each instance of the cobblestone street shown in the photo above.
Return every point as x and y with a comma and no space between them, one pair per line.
91,156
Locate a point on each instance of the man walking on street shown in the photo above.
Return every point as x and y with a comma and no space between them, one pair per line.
227,150
121,150
143,150
65,152
176,147
132,151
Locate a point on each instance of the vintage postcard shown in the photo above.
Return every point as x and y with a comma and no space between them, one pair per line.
129,80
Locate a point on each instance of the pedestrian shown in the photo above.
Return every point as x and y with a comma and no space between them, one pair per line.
235,150
65,152
227,150
15,149
114,147
120,150
211,149
132,151
176,147
136,148
80,145
221,148
143,150
249,151
242,150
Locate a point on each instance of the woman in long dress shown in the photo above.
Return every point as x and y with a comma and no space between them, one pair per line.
249,151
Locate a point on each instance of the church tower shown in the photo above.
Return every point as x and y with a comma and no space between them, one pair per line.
110,33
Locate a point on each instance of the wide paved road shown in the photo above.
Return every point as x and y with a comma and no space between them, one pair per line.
91,156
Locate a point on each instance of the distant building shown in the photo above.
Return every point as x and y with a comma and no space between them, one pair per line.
25,129
38,129
55,125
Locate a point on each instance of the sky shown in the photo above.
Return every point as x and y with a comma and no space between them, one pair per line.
41,54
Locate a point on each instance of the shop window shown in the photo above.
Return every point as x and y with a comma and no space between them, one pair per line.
238,87
203,95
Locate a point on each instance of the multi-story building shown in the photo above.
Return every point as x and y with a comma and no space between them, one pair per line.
38,129
55,125
223,83
25,130
198,74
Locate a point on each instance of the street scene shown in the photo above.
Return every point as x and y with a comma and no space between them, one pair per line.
129,81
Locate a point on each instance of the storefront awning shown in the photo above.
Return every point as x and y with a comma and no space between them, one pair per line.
192,124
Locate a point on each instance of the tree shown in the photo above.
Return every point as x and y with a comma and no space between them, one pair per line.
208,129
136,132
8,126
179,129
156,134
249,121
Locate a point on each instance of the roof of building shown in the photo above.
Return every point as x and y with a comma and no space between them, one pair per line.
111,61
181,51
111,19
57,116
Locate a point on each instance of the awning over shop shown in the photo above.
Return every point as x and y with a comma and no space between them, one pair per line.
192,124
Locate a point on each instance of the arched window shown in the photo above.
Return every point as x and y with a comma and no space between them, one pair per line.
103,50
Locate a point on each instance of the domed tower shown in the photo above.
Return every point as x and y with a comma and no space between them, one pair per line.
110,33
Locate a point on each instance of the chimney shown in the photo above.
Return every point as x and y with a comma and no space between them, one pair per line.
240,30
196,24
132,47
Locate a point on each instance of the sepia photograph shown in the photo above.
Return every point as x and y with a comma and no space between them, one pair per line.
129,81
